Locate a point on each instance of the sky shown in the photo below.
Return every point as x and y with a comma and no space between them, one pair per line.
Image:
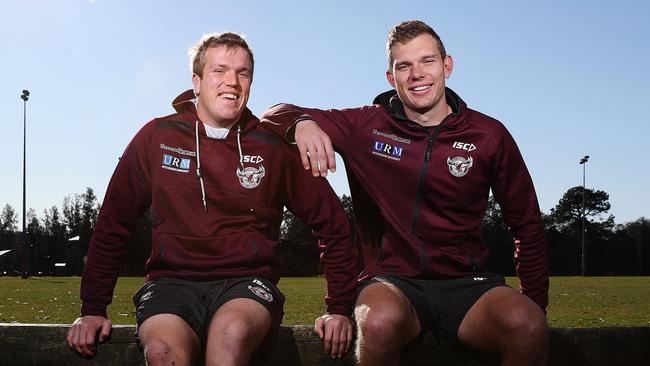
567,78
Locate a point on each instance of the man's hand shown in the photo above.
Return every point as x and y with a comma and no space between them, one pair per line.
315,147
336,332
82,335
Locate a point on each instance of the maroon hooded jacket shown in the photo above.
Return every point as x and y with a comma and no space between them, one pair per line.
420,193
217,220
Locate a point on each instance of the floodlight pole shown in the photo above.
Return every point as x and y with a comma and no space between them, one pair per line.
583,162
25,97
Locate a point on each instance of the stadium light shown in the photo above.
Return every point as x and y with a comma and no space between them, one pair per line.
25,97
583,162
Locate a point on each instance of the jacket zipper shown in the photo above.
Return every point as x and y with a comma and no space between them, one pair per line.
381,251
422,259
256,252
418,194
161,251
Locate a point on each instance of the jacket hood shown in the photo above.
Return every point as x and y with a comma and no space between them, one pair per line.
390,101
185,103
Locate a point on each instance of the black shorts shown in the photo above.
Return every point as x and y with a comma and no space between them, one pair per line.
196,301
441,305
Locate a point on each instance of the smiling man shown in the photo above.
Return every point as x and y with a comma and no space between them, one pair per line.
217,184
420,166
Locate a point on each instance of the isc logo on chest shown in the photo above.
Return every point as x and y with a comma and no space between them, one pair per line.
254,159
463,146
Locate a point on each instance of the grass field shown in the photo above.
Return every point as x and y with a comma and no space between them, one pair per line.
574,301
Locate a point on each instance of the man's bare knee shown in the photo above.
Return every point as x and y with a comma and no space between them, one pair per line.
529,329
235,331
385,327
379,324
157,353
384,315
167,338
238,330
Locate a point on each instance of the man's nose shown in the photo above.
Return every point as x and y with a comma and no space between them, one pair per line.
232,78
417,71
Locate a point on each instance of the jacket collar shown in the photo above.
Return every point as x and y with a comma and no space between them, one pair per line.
185,105
390,101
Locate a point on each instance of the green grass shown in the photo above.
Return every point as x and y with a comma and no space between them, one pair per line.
599,301
574,301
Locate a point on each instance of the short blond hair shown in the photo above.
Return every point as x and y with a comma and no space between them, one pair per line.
231,40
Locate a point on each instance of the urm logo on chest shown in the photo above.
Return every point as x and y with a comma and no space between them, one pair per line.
174,163
388,149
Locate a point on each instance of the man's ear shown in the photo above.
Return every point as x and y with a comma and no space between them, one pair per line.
391,78
449,66
196,81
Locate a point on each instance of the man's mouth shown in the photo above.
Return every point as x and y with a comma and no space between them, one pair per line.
229,96
421,87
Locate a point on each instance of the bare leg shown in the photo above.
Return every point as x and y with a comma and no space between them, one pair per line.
168,340
509,322
385,323
237,329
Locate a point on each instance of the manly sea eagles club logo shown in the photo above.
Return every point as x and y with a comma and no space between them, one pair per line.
459,166
250,177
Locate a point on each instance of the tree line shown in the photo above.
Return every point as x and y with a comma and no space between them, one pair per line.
610,249
58,236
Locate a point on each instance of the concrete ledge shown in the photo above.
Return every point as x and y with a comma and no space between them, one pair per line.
44,345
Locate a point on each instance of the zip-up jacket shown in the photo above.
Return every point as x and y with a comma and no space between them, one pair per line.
217,219
420,193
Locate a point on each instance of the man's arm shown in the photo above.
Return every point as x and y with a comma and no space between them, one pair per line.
314,201
127,197
514,191
318,133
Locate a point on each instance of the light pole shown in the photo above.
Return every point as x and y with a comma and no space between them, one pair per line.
583,162
25,97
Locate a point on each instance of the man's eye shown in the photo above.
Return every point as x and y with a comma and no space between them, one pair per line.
402,67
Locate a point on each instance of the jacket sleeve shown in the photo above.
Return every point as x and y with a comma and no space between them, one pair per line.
315,203
514,191
127,198
338,124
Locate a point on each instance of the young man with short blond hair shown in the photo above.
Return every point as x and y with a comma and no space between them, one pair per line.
217,183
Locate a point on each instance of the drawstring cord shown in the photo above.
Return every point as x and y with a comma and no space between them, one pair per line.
241,156
198,166
198,161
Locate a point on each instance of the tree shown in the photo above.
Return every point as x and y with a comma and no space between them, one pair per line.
498,239
9,240
8,220
346,201
569,211
89,213
562,250
80,215
629,252
55,230
72,214
298,248
35,235
567,217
